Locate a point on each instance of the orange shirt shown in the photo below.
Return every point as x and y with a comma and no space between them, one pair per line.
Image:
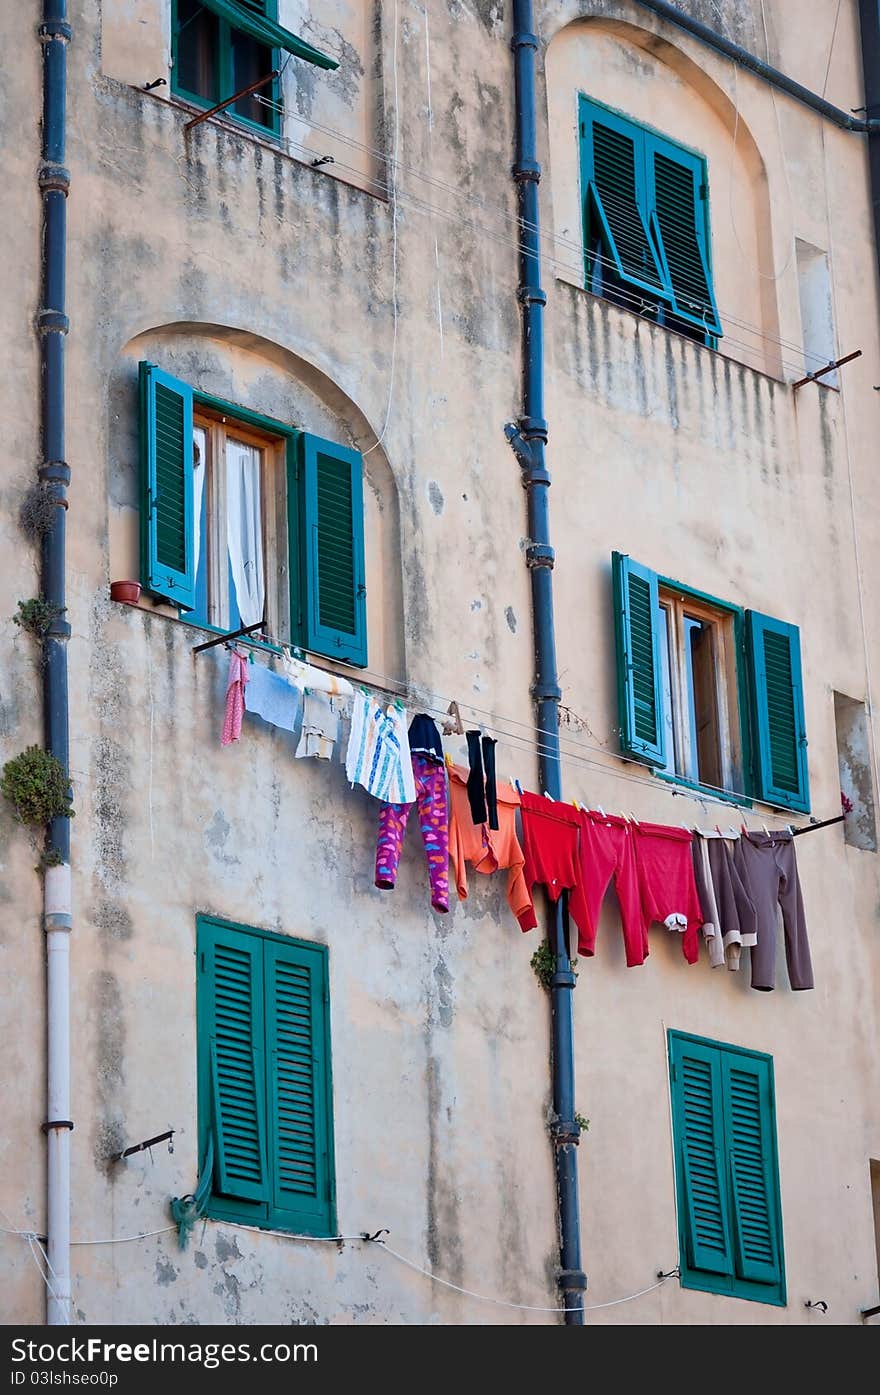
488,849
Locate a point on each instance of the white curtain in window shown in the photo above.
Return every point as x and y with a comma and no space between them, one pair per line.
244,528
200,464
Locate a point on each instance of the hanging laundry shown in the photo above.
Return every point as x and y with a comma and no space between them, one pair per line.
235,686
378,755
424,738
320,727
317,680
665,863
481,785
430,799
271,697
607,848
768,867
706,892
550,845
735,917
488,850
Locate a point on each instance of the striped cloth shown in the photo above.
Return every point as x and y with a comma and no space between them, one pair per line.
378,755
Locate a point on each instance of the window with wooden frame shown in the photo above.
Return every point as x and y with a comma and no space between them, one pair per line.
245,518
222,47
647,244
709,694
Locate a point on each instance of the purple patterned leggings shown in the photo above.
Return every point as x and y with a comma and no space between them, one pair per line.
430,778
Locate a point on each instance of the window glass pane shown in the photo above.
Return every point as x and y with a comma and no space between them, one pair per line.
666,690
199,615
197,49
244,532
702,701
251,61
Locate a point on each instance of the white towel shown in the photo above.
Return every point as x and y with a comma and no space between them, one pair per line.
378,755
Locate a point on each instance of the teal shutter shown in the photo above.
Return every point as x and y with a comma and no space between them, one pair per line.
699,1125
332,550
639,683
300,1129
615,198
748,1119
232,1030
249,16
774,655
167,528
678,196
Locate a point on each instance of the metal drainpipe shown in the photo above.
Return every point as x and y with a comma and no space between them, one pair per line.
869,20
528,439
759,67
54,474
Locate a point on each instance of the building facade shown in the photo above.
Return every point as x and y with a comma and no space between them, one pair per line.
310,299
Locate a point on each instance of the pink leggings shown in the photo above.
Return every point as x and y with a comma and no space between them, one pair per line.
430,778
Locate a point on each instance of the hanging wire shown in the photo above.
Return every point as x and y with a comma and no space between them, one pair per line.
394,215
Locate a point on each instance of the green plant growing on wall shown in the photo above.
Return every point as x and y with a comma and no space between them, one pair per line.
36,616
37,513
49,857
543,961
582,1123
36,785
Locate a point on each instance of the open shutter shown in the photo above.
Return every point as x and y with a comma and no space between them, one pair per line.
299,1086
639,675
679,220
167,529
249,16
615,198
699,1138
750,1134
774,654
234,1031
332,551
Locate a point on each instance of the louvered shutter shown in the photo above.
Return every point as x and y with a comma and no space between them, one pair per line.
332,550
615,199
167,529
748,1118
774,654
699,1132
232,1024
251,18
677,185
639,683
299,1087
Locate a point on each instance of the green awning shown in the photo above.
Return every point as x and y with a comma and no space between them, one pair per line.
267,32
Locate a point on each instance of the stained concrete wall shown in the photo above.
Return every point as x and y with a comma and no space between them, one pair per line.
296,294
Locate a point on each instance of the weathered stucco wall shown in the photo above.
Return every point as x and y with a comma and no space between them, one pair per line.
281,288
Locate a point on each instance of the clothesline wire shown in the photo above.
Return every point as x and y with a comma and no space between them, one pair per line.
422,205
33,1239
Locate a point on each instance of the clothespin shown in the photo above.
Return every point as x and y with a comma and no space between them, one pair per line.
575,806
633,818
548,795
519,788
601,811
456,726
718,830
766,829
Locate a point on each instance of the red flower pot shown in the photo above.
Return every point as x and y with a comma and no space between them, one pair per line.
129,592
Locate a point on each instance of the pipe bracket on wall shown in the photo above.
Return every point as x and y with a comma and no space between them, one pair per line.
540,555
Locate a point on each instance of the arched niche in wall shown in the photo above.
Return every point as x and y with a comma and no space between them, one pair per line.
265,378
644,77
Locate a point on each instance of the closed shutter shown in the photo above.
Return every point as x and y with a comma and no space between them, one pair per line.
751,1154
639,682
679,208
615,199
232,1025
774,654
699,1131
299,1086
333,578
167,530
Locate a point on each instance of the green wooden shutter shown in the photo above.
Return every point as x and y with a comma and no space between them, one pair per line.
167,528
615,198
639,684
232,1032
699,1136
774,655
750,1135
677,182
300,1105
332,550
251,19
